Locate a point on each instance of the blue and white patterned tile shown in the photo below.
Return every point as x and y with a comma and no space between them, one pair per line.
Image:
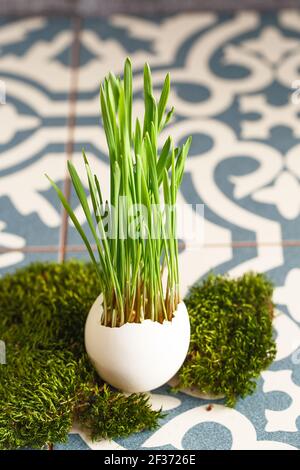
269,419
34,67
232,92
12,260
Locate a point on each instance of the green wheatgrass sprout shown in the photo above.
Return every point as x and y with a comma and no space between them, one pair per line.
130,269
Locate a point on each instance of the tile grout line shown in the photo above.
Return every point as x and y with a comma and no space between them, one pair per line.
71,123
78,248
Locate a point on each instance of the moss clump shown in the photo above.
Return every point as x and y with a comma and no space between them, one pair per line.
231,335
48,380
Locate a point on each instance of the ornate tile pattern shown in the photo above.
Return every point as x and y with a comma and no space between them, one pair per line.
233,79
35,67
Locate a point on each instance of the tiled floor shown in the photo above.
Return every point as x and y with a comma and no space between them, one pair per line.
232,89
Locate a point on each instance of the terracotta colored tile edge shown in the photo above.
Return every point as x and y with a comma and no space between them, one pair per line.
75,60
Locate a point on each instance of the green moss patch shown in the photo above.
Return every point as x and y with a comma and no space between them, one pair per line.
231,335
48,380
